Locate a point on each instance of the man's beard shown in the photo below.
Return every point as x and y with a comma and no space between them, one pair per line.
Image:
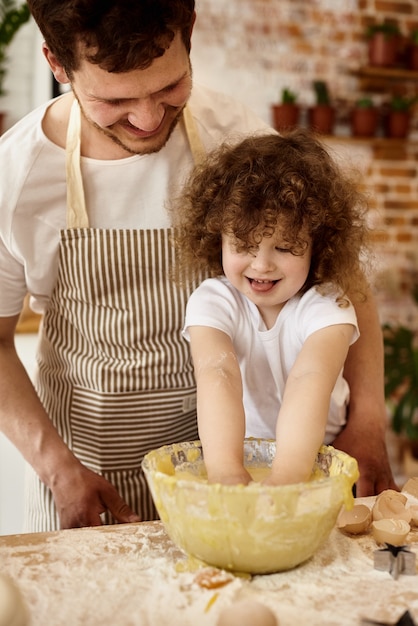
144,150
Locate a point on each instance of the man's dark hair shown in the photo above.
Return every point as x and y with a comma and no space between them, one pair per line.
116,35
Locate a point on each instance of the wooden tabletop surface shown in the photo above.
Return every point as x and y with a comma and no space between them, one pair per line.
133,574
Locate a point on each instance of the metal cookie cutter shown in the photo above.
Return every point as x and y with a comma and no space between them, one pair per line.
404,620
395,560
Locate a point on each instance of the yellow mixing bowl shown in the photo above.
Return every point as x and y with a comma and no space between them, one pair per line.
253,528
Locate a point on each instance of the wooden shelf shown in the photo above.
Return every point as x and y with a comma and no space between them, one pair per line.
374,141
390,73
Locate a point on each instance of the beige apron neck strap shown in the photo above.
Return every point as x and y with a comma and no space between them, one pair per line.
77,216
76,205
195,142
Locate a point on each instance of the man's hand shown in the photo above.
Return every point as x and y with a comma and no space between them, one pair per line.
81,496
368,446
364,436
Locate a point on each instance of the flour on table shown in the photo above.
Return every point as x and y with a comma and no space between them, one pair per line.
133,575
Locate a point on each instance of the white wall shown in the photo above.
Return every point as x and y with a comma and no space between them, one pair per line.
28,82
12,465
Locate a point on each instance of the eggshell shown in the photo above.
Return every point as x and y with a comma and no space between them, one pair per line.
247,613
212,578
413,509
393,531
390,504
411,486
355,521
392,493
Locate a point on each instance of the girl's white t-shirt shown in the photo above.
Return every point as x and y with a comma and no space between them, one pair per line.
267,356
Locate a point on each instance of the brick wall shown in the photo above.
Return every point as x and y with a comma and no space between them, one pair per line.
253,48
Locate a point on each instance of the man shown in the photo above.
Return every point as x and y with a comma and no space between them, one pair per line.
85,229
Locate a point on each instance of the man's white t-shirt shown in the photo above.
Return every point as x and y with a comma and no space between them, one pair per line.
130,193
267,356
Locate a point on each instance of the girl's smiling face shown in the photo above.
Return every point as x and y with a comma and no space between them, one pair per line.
268,274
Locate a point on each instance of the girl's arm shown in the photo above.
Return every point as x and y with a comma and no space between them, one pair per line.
304,412
220,411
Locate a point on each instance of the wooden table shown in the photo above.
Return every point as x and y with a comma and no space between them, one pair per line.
132,574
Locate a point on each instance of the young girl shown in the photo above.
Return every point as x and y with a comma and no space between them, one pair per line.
281,231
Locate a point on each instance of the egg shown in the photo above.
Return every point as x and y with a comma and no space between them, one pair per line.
392,531
247,613
355,521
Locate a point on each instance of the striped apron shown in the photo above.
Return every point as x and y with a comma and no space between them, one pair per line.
114,374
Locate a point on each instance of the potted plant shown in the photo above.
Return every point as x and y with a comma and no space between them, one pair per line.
412,50
12,17
286,114
364,118
401,382
321,116
398,116
383,44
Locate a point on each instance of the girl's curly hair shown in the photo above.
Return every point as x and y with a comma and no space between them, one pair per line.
267,181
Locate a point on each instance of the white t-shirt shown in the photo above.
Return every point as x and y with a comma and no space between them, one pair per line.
267,356
131,193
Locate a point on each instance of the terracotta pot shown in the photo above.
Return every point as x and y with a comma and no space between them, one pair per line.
321,118
397,124
364,121
383,50
412,56
285,116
